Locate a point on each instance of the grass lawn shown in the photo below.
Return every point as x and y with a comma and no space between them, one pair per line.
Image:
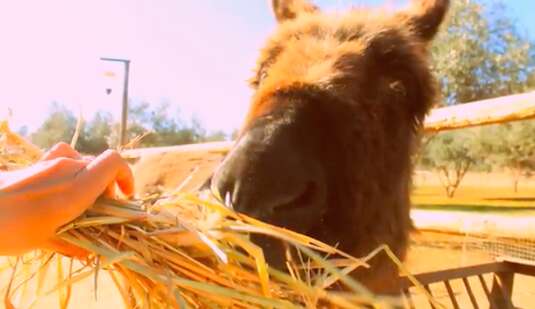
475,198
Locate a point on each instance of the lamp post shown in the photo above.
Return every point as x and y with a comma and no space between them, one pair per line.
124,113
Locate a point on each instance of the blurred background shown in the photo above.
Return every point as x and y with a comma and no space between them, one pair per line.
190,61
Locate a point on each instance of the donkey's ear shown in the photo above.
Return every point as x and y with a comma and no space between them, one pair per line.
424,17
290,9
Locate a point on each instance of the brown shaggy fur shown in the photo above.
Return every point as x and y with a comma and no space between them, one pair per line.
362,78
338,101
343,95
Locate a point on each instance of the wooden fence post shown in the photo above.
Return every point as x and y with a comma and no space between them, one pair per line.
502,290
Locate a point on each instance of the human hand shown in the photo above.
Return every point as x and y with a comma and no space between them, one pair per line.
36,201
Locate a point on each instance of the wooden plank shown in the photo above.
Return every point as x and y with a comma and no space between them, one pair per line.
430,293
492,111
455,273
214,147
502,290
519,266
523,269
487,291
451,294
513,260
470,293
498,110
408,297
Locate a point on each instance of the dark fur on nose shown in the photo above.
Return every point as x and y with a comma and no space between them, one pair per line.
269,175
276,170
272,175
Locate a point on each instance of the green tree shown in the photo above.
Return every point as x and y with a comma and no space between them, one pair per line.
511,146
216,136
481,54
96,133
169,130
157,123
159,128
531,81
451,155
58,127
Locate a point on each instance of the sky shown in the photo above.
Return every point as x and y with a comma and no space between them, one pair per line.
194,54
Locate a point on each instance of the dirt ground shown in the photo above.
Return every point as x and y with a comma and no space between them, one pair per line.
477,179
477,190
437,251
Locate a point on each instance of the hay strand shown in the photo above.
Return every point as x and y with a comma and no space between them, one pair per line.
183,250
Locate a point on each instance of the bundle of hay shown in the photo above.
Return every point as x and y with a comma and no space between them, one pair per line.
188,251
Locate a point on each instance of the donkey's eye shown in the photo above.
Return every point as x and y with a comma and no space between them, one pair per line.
398,88
263,75
259,78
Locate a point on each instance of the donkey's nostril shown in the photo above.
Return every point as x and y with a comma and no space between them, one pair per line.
302,200
301,211
222,186
266,177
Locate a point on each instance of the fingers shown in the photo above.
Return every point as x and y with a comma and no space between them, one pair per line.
123,175
64,248
42,177
61,150
105,169
88,183
110,191
88,158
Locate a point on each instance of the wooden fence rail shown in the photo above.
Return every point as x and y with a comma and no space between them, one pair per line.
499,110
492,111
498,295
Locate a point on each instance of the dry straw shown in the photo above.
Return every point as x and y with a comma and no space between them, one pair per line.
180,250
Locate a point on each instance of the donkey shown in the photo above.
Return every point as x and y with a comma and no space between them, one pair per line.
326,146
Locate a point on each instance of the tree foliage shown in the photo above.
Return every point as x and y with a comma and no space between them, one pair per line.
159,128
511,146
451,155
96,133
481,53
58,127
156,124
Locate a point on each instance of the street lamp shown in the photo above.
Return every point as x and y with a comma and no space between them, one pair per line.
124,113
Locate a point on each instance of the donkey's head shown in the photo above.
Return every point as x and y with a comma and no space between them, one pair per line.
325,148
